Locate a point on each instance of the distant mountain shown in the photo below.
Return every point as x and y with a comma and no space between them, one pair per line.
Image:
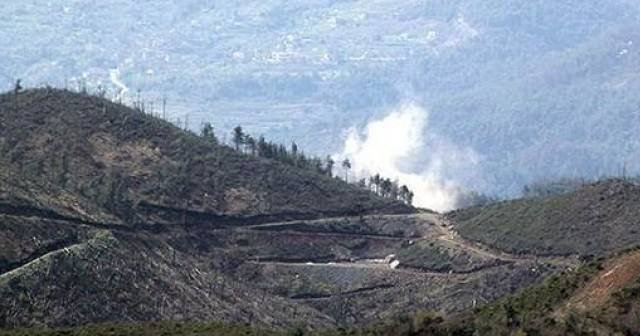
536,88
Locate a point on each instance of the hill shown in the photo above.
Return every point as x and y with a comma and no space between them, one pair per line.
553,307
316,274
599,298
112,276
127,168
108,214
596,220
86,188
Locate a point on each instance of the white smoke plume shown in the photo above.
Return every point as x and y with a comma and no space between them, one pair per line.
400,146
114,76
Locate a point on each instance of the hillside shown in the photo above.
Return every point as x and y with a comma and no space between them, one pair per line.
599,298
316,274
111,215
112,276
596,220
553,307
120,166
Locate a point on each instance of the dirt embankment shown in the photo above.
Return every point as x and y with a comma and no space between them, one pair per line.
616,275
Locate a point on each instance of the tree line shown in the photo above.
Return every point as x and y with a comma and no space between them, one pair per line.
387,188
294,156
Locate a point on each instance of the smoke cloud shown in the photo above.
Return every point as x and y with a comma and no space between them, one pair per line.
114,76
400,146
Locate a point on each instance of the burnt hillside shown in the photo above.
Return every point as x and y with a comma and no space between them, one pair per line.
116,164
109,215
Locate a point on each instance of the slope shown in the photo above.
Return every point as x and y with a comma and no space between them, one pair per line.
108,214
121,277
599,298
98,208
137,169
530,311
314,273
594,221
616,274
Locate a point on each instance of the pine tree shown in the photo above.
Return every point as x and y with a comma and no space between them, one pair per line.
394,191
346,164
301,161
386,187
316,164
282,154
238,137
207,132
263,147
362,183
404,193
252,144
329,163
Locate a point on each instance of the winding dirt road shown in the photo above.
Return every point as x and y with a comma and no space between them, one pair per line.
444,231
